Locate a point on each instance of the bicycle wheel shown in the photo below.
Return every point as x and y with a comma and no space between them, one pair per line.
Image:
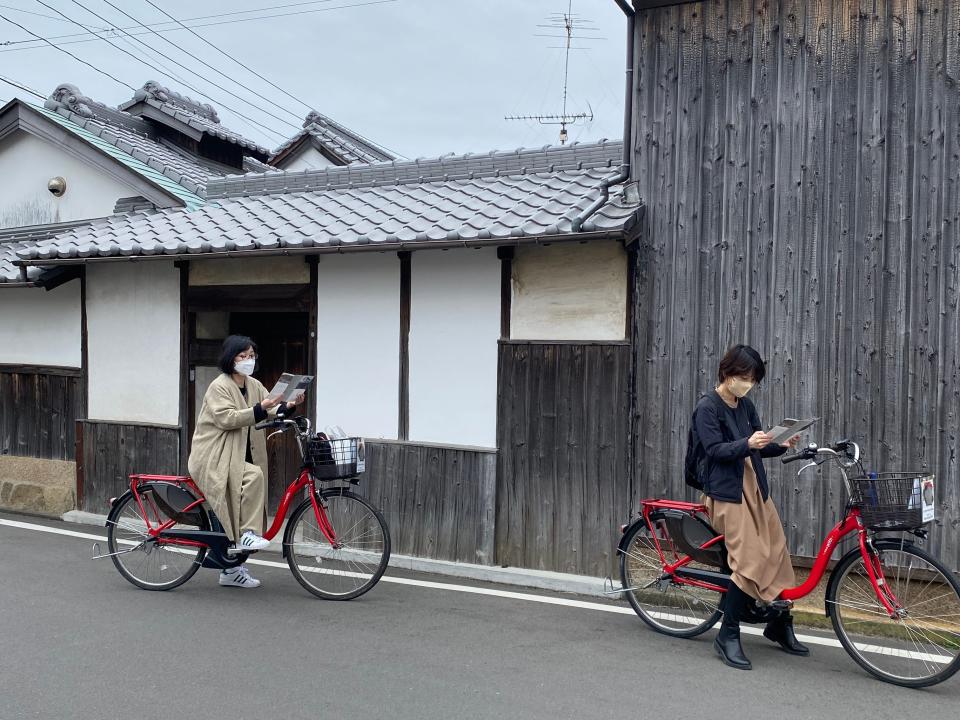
663,604
918,647
354,562
137,556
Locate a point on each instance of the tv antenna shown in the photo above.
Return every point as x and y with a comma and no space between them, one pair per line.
568,23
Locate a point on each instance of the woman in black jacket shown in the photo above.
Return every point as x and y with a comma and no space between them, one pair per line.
738,499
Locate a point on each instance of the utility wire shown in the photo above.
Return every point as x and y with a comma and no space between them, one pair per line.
193,72
49,17
57,47
15,84
201,25
227,55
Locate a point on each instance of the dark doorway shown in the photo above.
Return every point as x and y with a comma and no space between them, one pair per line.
277,318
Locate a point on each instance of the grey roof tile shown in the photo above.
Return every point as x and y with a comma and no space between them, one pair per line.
512,204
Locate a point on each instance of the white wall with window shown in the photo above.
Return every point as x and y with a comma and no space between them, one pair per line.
454,329
358,343
133,342
39,327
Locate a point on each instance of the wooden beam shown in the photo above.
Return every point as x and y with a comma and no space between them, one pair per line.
506,289
184,266
403,425
312,395
42,370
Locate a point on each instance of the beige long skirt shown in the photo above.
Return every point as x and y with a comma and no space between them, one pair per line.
756,546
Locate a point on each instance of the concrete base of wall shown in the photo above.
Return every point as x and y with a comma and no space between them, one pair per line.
39,487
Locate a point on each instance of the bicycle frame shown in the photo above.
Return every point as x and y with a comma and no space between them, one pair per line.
305,480
851,523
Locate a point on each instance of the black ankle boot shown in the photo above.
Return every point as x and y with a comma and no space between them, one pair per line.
727,643
780,631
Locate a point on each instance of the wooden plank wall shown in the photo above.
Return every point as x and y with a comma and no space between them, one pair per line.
800,162
38,411
112,451
438,501
563,437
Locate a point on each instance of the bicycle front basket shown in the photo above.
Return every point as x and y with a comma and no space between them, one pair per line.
334,458
890,501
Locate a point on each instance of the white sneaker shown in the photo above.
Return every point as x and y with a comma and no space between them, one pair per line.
238,577
250,541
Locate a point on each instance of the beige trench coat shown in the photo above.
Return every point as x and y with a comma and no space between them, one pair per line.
220,447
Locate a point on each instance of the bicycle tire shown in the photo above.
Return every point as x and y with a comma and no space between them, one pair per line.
349,570
665,606
888,647
141,560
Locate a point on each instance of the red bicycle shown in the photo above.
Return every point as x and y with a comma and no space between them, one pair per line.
894,607
337,544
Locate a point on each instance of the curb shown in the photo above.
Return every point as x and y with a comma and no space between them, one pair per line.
520,577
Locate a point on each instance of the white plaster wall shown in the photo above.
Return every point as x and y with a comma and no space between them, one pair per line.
39,327
308,159
27,163
569,292
133,342
358,343
454,329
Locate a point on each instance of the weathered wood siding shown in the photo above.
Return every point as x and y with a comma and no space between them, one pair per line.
438,501
111,452
38,411
800,161
563,437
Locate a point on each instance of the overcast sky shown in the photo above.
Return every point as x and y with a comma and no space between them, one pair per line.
422,77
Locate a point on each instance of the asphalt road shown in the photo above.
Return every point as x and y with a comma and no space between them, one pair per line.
78,641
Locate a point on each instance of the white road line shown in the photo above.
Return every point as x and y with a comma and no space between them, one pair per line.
544,599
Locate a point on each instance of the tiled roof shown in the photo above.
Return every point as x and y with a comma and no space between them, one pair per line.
496,197
15,239
110,142
341,141
199,116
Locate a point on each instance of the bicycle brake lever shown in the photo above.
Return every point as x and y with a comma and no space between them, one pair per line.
810,464
276,432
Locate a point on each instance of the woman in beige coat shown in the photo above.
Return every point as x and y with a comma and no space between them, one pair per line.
228,459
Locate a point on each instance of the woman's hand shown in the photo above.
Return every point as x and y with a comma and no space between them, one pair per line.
758,440
792,442
300,397
269,402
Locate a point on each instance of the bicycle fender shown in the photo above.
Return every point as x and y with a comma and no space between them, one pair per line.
627,532
835,576
115,508
288,530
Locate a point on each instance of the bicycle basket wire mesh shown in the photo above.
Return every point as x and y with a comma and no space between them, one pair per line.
889,501
332,458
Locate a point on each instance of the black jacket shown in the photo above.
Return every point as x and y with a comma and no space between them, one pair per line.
724,432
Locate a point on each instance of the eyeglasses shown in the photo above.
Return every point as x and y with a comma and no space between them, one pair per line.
246,356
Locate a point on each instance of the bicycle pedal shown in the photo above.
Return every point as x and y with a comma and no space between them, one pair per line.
233,552
781,605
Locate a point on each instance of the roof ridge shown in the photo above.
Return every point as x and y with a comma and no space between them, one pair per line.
549,158
153,90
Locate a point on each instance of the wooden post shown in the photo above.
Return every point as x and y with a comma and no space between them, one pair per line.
78,445
312,339
403,425
184,266
506,289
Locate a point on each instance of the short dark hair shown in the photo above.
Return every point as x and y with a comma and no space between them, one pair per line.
742,361
233,346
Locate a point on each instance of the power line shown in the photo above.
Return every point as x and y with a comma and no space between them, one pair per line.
15,84
227,55
199,25
204,63
57,47
246,67
179,64
48,17
230,57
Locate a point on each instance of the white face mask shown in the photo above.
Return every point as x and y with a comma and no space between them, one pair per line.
739,387
245,367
